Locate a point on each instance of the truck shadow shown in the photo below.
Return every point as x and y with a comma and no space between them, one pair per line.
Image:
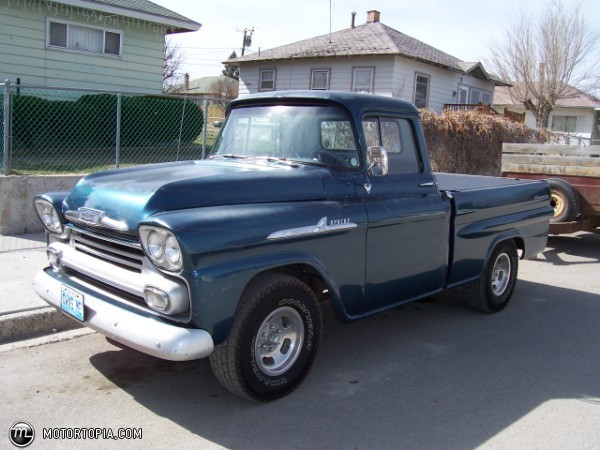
561,249
427,375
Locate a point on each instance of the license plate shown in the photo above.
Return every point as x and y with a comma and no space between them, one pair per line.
72,302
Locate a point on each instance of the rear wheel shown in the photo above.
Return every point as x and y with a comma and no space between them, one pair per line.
274,339
564,199
492,292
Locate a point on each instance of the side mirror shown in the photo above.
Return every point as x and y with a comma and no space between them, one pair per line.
377,159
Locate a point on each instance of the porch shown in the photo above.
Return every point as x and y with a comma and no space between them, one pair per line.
485,109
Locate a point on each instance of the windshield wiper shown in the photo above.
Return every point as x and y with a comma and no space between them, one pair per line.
228,155
283,161
270,159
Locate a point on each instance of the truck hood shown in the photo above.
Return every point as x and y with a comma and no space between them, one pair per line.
128,196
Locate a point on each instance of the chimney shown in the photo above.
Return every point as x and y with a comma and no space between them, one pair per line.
373,16
353,13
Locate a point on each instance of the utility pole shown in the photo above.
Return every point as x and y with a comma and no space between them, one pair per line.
247,42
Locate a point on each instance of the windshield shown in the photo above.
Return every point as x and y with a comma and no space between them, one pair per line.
308,134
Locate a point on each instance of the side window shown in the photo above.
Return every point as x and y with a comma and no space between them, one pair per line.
397,137
390,135
371,131
267,80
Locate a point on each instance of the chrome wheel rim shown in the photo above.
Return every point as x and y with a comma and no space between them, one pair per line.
501,274
279,341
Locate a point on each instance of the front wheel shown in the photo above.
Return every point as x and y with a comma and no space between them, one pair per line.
493,290
274,339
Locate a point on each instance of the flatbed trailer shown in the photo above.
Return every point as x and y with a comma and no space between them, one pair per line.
573,173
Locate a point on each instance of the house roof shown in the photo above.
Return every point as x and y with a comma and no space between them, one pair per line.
139,9
572,98
371,38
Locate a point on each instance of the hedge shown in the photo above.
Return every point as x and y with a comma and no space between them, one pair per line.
91,121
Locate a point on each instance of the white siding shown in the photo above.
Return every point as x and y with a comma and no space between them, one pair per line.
394,76
585,118
23,53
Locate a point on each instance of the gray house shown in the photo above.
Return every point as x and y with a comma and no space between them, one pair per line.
100,44
372,58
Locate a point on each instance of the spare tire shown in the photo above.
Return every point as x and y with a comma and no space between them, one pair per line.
564,199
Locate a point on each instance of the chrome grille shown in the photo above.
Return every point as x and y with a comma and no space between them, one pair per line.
125,254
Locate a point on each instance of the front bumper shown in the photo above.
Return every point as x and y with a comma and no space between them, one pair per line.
136,329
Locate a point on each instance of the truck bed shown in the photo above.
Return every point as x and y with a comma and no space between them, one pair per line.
487,208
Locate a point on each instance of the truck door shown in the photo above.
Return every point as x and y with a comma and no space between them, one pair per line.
408,220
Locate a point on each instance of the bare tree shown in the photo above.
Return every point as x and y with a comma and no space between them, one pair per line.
172,75
542,57
224,88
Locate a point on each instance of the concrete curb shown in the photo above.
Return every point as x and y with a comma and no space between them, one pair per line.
33,323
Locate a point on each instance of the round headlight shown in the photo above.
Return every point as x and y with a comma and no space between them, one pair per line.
155,245
172,251
48,216
161,247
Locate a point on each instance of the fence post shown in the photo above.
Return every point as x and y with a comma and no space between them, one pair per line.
118,133
204,128
6,128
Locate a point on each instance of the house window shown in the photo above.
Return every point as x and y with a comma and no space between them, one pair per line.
76,37
479,96
267,80
319,79
421,90
564,124
362,79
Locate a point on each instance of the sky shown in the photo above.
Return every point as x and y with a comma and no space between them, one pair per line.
463,28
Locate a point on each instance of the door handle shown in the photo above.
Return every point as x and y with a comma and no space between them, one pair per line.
428,184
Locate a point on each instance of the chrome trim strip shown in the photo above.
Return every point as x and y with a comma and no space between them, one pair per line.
107,256
103,221
311,230
80,232
127,255
146,334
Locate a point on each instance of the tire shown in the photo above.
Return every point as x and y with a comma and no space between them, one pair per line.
564,199
492,292
274,339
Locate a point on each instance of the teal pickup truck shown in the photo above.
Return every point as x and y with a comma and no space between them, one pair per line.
305,197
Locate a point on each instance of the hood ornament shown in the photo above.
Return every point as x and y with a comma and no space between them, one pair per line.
95,218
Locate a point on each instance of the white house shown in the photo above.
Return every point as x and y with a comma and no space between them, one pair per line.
373,58
577,114
100,44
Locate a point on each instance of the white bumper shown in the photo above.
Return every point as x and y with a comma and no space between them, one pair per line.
145,333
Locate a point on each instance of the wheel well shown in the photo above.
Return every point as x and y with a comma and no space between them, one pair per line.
305,273
520,243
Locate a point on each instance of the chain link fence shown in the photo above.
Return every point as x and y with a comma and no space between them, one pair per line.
49,130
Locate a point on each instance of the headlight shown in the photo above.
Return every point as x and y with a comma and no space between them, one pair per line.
156,245
49,216
161,246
